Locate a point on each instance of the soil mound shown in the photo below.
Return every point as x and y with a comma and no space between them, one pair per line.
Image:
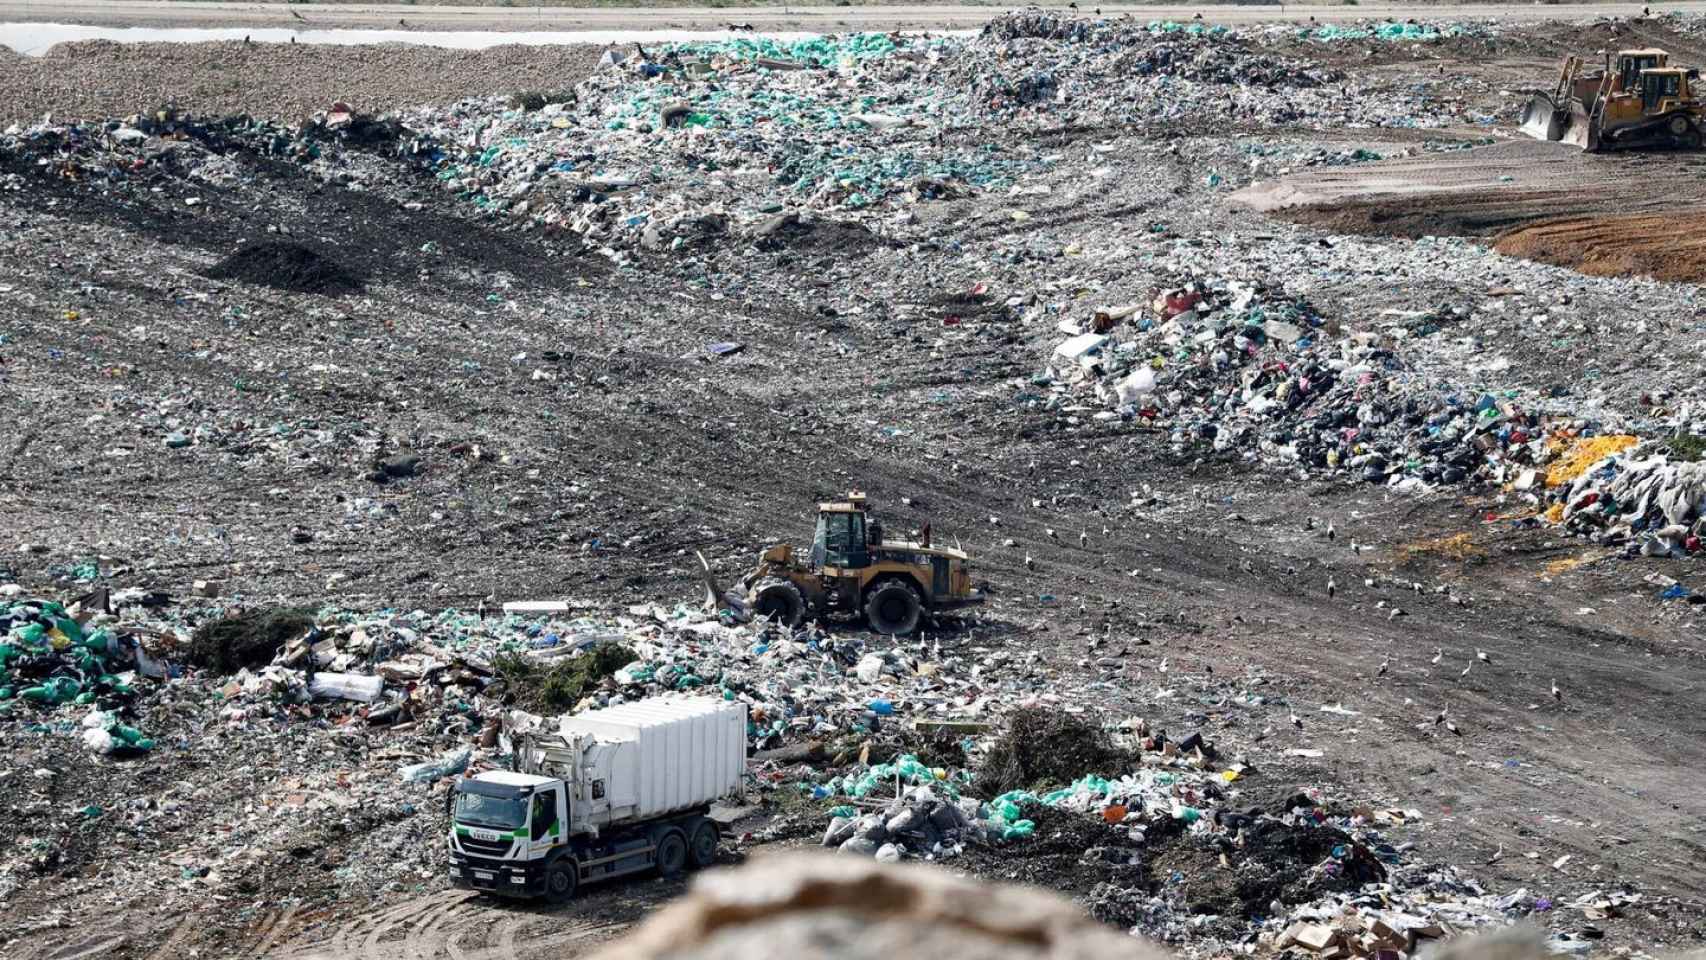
1662,246
286,266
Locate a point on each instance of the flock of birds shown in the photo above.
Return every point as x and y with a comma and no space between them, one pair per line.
1481,656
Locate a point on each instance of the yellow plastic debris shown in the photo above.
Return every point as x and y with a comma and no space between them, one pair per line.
1583,454
1554,513
1229,775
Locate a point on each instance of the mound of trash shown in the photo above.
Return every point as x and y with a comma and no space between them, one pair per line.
52,655
1244,370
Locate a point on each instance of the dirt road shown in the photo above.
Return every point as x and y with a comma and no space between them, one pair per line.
878,17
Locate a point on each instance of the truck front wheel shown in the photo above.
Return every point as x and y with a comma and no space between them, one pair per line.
561,879
672,853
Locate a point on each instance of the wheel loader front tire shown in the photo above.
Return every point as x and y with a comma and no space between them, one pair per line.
779,600
893,608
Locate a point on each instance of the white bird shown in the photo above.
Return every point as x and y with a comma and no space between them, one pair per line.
1051,534
1163,667
1497,854
1439,717
1332,588
1557,694
1296,720
1439,653
1384,666
1029,563
1481,655
1465,672
1331,530
1084,538
1453,728
1105,530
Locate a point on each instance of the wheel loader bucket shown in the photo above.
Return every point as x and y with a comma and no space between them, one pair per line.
1542,119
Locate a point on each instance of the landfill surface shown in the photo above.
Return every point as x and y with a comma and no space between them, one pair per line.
1340,593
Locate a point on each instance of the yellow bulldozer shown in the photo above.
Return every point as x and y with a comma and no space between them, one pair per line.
1637,100
854,568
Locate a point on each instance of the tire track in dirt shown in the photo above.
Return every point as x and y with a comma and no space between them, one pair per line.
454,925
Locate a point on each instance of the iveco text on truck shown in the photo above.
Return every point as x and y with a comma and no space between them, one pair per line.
615,791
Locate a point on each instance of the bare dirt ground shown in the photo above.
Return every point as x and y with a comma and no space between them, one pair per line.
99,78
638,439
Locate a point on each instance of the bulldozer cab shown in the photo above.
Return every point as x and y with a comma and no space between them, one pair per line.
1632,63
1663,90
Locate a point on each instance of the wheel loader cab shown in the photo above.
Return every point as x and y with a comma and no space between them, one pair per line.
841,539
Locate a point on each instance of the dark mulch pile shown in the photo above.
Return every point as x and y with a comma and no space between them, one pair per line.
1046,748
249,639
283,265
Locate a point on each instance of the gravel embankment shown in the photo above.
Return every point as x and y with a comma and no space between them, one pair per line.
99,78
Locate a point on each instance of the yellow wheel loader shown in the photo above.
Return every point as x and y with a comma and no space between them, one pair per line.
855,568
1638,100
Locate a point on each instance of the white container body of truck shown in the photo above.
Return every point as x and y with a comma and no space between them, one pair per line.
615,791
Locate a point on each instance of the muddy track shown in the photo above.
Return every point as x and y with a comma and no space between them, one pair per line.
454,925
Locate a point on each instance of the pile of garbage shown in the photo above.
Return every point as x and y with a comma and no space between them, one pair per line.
1189,859
1239,368
1395,31
688,144
51,656
1645,496
463,669
917,824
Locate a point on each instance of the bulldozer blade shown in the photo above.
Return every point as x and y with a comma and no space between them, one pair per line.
713,591
1542,119
1579,130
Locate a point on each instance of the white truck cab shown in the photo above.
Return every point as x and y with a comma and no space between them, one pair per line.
615,791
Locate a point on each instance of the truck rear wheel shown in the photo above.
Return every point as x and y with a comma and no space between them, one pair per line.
561,879
704,845
779,599
893,608
672,853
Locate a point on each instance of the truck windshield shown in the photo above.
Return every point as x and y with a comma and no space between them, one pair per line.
504,813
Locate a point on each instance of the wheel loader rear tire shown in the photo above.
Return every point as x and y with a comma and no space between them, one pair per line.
893,608
780,600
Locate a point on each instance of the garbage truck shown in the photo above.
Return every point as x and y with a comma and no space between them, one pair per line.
612,792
